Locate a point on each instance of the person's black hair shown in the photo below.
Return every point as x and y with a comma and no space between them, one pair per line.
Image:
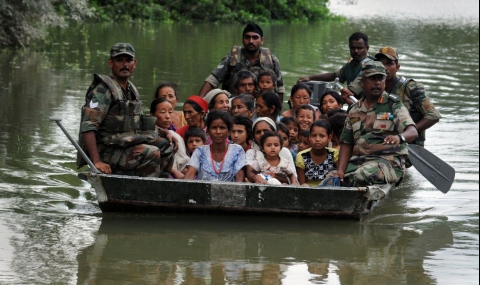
322,123
244,121
337,121
268,72
336,111
299,86
247,99
217,114
155,102
359,35
282,127
165,84
195,132
271,134
194,105
305,107
288,120
335,96
272,100
243,74
305,133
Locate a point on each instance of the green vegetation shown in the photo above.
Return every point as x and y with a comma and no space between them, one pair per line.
24,22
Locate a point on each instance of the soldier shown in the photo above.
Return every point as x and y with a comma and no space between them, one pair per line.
379,126
358,44
250,57
411,94
116,135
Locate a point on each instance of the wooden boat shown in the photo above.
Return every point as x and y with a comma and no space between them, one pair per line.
121,193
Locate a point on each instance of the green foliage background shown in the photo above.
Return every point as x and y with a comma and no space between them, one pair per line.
24,22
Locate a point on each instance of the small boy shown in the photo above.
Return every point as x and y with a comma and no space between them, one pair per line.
194,137
267,81
303,140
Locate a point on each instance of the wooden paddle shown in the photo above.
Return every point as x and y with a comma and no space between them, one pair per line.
435,170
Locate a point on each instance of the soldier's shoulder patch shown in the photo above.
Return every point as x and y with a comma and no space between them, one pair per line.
393,97
353,120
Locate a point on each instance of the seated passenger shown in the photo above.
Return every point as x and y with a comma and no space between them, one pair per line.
195,109
282,130
299,95
269,165
313,164
260,126
293,127
269,105
303,140
169,91
330,100
241,133
243,104
337,122
194,138
218,161
162,109
267,81
305,115
218,99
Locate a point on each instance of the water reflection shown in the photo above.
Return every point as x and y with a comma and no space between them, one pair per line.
218,250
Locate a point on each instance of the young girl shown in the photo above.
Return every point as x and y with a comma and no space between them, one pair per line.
293,127
241,133
267,81
305,115
243,104
271,164
282,130
313,164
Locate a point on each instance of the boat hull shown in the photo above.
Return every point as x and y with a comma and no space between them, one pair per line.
120,193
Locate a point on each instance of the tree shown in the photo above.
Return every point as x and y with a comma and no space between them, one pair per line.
24,21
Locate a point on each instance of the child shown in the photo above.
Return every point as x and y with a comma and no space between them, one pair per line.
337,122
267,81
271,164
241,133
313,164
194,137
303,140
293,127
282,130
243,104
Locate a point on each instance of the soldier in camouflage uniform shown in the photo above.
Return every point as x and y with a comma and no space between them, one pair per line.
378,126
411,94
250,57
116,135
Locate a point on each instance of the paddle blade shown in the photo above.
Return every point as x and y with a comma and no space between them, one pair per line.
435,170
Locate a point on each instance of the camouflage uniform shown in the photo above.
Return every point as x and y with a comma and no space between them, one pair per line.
412,95
350,71
126,139
235,61
374,162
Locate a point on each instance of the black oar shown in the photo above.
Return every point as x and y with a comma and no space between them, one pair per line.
437,171
79,149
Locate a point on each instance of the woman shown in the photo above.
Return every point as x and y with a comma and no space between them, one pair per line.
169,91
260,126
219,161
162,109
329,101
217,99
269,105
194,109
299,95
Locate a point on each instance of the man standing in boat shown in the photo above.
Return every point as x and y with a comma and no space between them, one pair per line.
358,45
378,126
116,135
250,57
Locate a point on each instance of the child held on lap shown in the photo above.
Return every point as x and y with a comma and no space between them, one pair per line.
313,164
271,164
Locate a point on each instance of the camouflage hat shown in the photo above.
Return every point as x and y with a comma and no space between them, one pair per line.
389,52
372,68
122,48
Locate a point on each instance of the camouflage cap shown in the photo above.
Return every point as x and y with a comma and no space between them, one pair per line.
122,48
389,52
372,68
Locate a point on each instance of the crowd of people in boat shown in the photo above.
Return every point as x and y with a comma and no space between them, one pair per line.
239,133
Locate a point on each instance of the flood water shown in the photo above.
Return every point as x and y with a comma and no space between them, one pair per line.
52,230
